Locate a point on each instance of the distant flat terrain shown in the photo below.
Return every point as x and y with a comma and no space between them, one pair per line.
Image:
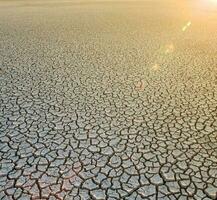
108,100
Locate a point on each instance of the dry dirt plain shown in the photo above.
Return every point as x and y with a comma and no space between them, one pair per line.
108,99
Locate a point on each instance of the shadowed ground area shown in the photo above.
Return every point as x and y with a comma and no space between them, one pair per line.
108,100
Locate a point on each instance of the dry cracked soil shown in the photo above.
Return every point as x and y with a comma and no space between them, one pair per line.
108,100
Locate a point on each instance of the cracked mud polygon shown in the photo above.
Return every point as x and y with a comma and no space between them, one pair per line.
108,100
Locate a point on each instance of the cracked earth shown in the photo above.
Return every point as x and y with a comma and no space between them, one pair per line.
108,100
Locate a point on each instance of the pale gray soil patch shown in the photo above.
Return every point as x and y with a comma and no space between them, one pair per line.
108,100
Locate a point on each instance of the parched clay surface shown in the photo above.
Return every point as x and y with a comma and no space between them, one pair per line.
108,100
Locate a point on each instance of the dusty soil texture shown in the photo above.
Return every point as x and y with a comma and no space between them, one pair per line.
108,100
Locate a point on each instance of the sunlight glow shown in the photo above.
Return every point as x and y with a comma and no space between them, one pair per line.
184,28
206,4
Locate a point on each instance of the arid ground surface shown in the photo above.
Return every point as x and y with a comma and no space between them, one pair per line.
108,100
